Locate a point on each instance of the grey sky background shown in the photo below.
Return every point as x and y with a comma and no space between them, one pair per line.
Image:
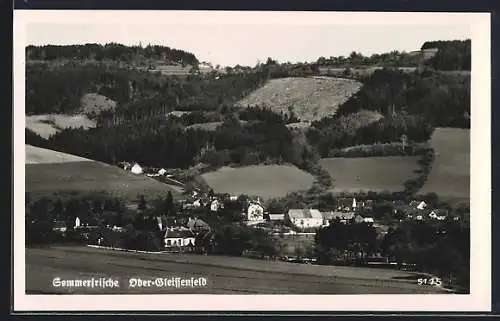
244,44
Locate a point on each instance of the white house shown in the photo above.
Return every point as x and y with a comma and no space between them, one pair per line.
305,218
368,220
436,214
233,198
179,238
162,171
255,212
215,205
136,169
197,203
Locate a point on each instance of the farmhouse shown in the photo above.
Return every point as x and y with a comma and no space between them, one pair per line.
136,169
255,212
215,205
179,238
305,218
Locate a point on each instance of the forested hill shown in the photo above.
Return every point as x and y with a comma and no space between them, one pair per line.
111,51
451,55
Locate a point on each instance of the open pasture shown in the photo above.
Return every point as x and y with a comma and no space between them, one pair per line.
376,174
262,180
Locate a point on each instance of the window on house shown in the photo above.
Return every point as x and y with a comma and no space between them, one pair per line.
169,242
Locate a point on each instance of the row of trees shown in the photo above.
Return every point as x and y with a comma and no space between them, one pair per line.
356,59
111,51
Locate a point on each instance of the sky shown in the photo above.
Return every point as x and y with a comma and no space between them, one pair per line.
231,39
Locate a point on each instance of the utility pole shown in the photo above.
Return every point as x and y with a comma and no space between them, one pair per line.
404,139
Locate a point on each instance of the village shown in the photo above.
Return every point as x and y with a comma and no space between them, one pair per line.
190,230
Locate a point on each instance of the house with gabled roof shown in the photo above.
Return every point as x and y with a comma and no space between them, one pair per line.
179,238
305,218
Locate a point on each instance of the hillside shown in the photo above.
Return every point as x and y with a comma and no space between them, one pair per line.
450,173
49,171
311,98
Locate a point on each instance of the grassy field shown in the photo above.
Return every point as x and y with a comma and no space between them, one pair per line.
49,172
375,174
312,98
50,124
225,275
266,181
450,173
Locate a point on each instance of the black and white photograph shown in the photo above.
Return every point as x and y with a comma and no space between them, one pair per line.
330,156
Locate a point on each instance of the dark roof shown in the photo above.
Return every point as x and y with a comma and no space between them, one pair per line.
197,223
178,234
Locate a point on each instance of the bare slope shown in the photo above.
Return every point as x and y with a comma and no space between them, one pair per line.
450,173
375,174
225,275
47,125
95,103
49,171
312,98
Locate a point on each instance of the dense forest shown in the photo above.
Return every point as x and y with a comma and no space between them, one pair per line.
442,100
451,55
166,142
59,90
332,133
111,51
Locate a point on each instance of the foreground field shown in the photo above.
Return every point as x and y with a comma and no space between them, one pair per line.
450,173
312,98
48,125
264,181
375,174
225,275
49,172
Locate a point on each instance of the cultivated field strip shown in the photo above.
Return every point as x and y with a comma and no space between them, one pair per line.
225,274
